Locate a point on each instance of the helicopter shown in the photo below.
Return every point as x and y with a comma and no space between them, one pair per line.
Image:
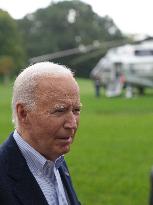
126,67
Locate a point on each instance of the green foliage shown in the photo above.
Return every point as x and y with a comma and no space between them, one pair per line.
6,66
60,26
54,30
65,25
11,48
112,155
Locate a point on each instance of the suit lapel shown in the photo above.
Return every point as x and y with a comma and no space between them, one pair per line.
64,173
23,182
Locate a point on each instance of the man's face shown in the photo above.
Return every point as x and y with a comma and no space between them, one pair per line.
51,126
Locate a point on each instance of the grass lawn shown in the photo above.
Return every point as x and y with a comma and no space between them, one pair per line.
5,111
111,158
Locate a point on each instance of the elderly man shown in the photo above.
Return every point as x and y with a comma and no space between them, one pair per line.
46,110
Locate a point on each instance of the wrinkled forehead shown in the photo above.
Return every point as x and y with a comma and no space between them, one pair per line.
58,88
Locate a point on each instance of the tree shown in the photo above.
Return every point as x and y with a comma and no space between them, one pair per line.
11,48
6,66
65,25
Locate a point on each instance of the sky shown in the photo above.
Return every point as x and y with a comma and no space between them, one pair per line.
131,16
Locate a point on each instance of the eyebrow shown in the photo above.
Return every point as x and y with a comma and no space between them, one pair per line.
63,105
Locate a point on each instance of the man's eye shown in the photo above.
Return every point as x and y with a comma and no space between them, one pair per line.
77,110
60,110
56,111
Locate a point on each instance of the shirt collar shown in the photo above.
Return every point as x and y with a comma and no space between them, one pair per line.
34,159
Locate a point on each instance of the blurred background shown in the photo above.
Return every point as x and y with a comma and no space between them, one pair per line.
109,46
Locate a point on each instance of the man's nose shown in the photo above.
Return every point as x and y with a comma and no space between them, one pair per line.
71,121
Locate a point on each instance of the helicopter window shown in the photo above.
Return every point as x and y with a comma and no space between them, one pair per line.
144,52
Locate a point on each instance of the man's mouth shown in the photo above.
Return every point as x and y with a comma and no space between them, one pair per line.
66,140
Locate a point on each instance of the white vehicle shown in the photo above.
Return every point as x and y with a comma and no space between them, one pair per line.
128,66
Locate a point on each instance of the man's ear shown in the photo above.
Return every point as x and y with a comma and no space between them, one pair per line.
21,113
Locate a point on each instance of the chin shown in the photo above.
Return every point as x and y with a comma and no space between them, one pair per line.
65,149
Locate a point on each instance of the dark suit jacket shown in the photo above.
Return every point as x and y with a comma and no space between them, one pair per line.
17,184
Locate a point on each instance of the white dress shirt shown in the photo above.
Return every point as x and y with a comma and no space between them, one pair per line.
45,172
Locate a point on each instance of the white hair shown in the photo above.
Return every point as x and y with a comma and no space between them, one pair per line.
26,83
